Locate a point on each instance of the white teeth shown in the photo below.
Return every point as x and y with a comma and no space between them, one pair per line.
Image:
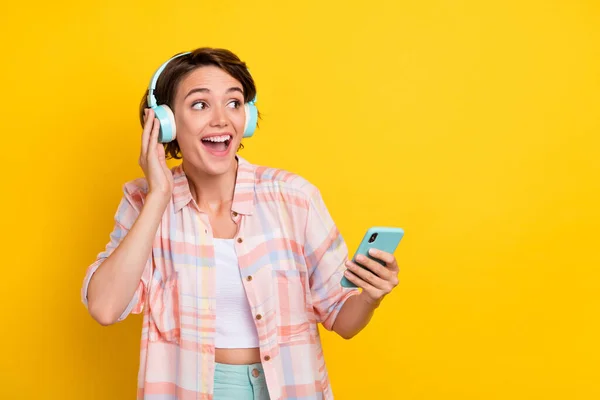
223,138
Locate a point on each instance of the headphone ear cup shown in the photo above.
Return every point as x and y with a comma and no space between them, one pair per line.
167,132
251,119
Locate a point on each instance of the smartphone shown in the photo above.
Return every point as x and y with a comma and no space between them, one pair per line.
382,238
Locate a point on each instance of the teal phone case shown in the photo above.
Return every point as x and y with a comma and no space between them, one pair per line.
387,240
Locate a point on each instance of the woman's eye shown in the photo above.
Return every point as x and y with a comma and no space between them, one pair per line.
199,105
234,104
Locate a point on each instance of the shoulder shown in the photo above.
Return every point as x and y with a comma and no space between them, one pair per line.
134,193
135,190
278,180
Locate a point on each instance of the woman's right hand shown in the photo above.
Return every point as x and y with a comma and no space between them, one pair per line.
153,160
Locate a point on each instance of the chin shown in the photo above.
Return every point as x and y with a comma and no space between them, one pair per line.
213,165
218,167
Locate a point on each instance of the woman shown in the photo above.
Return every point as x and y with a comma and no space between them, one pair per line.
232,264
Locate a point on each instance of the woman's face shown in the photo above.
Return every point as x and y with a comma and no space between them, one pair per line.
209,115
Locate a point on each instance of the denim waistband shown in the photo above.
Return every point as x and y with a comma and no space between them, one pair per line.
243,375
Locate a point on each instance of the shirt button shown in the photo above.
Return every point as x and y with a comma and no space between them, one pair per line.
258,316
267,358
240,240
255,373
249,278
234,214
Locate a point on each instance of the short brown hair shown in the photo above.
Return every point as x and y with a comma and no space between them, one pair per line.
177,69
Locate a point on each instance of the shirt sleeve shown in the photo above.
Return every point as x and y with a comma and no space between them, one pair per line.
326,254
127,212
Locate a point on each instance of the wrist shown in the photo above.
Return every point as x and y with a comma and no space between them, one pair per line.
369,301
159,200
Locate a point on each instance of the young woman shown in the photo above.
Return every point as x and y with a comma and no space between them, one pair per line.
232,264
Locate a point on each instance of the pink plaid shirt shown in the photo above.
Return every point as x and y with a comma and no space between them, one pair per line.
291,258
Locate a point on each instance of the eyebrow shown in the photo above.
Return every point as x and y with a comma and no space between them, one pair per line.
205,90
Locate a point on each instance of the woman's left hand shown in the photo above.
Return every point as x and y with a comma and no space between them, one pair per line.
375,279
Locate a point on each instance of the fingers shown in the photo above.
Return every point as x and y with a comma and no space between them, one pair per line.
366,275
388,275
373,292
382,255
160,152
376,280
387,258
151,161
148,125
375,267
361,283
153,138
163,159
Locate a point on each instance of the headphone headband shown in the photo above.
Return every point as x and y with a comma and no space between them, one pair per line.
152,86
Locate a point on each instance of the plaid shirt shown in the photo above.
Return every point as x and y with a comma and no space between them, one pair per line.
291,258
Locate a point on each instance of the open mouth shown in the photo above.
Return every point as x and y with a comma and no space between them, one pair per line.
217,143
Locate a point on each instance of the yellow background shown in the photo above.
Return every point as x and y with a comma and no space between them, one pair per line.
471,124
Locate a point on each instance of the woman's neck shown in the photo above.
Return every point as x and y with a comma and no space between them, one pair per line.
212,193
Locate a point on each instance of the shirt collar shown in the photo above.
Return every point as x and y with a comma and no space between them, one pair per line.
243,194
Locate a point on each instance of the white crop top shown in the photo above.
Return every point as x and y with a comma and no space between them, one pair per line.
234,321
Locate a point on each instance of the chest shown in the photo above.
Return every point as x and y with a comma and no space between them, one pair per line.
269,252
223,225
264,241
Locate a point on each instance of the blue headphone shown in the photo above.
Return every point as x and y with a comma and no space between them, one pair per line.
166,118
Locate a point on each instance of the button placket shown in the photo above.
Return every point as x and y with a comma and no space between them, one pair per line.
249,278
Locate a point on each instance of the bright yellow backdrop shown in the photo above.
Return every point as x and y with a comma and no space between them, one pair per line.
473,125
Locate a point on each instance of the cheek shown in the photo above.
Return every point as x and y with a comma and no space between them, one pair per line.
239,120
190,125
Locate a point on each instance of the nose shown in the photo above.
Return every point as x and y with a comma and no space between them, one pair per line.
218,117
